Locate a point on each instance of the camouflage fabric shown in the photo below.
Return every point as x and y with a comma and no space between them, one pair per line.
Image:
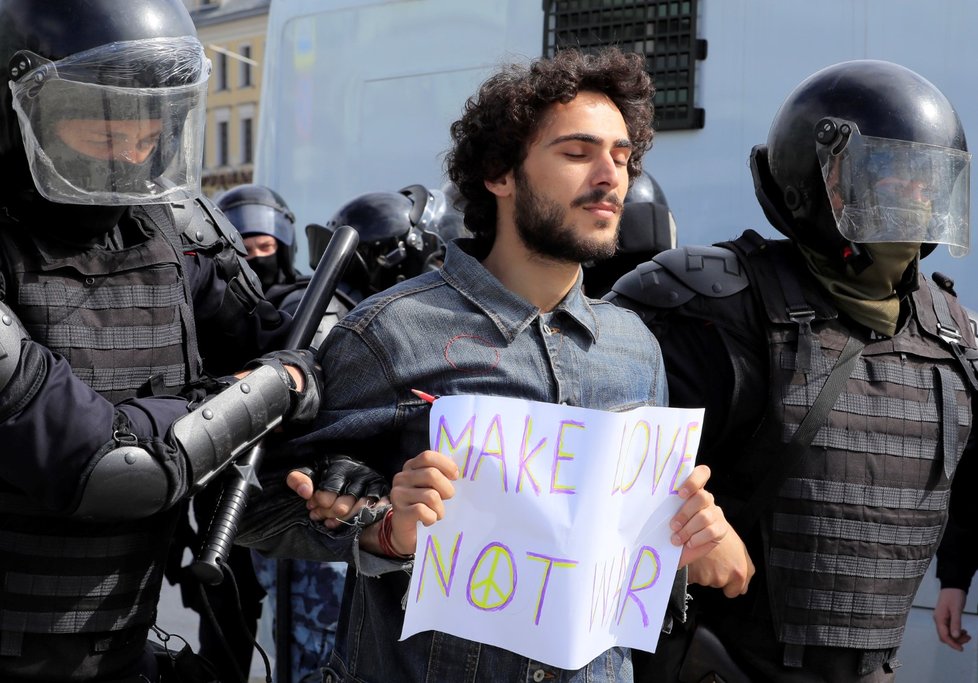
317,591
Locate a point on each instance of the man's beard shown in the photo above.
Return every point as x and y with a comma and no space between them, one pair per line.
541,225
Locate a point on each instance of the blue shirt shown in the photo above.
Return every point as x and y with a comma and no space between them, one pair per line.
457,331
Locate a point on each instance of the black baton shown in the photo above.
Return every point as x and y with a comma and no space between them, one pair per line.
241,481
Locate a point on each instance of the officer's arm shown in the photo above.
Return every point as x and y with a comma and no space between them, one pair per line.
696,315
234,320
134,477
76,453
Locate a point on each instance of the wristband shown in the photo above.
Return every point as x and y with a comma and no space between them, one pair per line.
384,538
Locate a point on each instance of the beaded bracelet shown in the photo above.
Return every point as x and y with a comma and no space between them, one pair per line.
384,538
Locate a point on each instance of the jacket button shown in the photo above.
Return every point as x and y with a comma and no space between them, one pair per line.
539,675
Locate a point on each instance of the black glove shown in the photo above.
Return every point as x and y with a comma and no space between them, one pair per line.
343,475
304,405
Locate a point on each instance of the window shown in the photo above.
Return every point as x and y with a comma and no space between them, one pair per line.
222,143
219,129
663,30
247,141
221,72
244,74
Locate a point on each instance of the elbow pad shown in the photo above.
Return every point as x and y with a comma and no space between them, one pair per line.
126,483
131,482
229,423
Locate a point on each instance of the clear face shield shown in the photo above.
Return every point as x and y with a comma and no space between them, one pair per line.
120,124
885,190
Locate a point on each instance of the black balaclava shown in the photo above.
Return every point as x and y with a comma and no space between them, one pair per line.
266,268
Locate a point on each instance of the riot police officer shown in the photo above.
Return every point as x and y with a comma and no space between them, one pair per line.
267,225
834,374
124,294
401,235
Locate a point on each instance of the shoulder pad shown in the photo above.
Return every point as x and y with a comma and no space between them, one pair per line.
206,227
675,276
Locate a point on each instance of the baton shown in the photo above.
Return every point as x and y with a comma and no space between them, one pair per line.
241,481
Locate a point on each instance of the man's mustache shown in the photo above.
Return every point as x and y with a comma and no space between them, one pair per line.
598,196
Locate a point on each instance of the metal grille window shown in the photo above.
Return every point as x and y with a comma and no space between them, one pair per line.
663,30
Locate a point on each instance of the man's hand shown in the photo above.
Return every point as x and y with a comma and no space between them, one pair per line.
727,567
714,553
947,618
419,492
338,490
699,526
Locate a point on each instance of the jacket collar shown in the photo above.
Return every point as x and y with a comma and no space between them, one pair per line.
510,312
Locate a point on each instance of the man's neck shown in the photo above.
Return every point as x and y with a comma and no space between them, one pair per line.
542,281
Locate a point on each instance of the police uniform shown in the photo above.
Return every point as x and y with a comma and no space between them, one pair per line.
842,547
121,317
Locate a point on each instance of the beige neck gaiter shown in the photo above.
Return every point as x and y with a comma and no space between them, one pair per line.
870,298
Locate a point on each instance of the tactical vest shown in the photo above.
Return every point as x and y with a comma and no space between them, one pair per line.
123,320
120,318
852,531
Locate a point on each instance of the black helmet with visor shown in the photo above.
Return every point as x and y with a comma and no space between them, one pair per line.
105,99
863,152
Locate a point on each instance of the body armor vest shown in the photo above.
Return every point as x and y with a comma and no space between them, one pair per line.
123,320
853,528
120,317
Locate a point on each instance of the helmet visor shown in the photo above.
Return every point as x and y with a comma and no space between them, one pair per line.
885,190
260,218
116,125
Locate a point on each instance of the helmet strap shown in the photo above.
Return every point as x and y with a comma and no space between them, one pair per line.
856,257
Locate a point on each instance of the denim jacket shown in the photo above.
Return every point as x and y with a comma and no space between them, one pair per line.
455,331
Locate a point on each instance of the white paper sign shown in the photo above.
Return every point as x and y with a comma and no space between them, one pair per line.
556,544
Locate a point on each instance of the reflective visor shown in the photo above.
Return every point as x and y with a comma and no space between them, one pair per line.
884,190
116,125
260,218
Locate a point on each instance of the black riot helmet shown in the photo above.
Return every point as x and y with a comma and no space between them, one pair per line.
399,235
259,210
93,62
863,152
647,228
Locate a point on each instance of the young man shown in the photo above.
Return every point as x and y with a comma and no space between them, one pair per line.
543,156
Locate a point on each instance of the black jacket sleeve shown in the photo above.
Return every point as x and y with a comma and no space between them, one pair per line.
957,556
226,347
714,363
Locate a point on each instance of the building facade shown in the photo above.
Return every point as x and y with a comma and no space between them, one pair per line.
233,34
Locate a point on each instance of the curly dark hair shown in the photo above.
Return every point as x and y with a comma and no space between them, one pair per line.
498,123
